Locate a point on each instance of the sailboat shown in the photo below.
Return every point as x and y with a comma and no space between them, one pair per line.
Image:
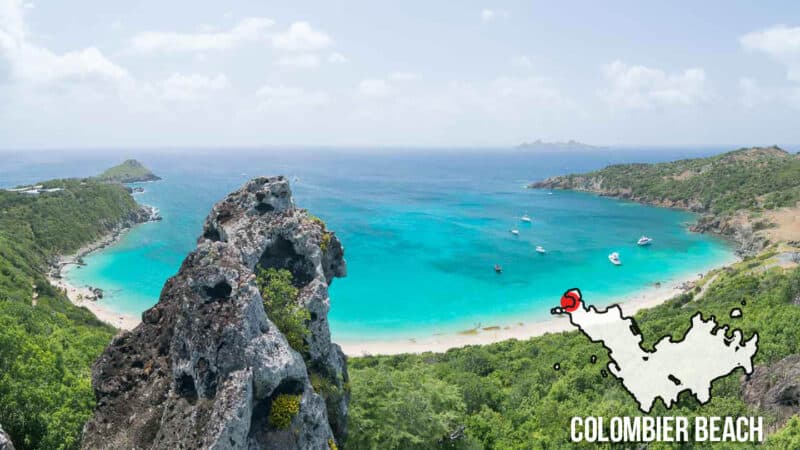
525,218
614,258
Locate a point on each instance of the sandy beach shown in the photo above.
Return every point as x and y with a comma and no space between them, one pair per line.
83,295
646,298
490,333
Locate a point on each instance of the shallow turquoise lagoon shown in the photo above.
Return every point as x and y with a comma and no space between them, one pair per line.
422,232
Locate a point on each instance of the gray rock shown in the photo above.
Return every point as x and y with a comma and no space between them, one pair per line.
5,441
206,364
775,389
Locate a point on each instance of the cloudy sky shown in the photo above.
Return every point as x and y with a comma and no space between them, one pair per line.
412,73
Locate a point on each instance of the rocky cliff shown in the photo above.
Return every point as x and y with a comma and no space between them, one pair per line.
208,368
775,389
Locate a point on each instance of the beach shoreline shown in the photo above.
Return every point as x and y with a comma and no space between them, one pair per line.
87,296
648,297
643,299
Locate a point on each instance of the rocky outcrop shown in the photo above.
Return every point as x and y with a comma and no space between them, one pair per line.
144,213
775,389
5,441
205,367
736,228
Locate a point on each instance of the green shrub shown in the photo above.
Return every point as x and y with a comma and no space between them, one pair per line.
325,242
280,303
284,408
318,221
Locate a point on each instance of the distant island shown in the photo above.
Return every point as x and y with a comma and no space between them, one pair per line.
568,145
130,171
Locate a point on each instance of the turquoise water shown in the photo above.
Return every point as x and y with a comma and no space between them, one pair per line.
422,232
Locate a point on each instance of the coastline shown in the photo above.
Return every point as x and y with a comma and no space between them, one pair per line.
643,299
88,296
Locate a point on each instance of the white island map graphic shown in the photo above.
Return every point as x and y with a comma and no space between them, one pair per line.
692,363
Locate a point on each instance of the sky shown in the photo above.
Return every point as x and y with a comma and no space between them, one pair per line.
102,74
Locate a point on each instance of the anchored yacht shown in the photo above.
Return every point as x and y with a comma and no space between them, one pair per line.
614,258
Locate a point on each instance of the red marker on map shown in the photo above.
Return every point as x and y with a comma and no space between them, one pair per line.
571,300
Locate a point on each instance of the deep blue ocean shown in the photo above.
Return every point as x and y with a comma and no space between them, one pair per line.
422,229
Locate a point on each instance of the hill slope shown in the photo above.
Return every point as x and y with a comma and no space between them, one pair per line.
47,344
508,395
739,192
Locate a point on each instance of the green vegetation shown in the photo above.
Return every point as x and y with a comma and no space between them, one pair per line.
129,171
280,302
283,410
787,437
507,395
751,179
325,242
47,344
317,221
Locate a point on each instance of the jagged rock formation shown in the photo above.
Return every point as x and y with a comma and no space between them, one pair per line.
5,441
205,366
775,389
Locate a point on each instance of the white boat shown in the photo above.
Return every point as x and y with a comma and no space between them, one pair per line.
614,258
540,249
525,218
644,240
549,193
515,232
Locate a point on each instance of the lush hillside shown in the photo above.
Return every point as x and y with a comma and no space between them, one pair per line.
47,345
129,171
751,179
507,395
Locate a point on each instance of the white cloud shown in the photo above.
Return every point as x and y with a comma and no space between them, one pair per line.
29,62
305,61
337,58
288,97
192,87
492,14
301,37
376,87
246,30
404,76
640,87
522,61
781,43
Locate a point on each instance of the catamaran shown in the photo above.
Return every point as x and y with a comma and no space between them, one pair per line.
644,240
540,249
614,258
